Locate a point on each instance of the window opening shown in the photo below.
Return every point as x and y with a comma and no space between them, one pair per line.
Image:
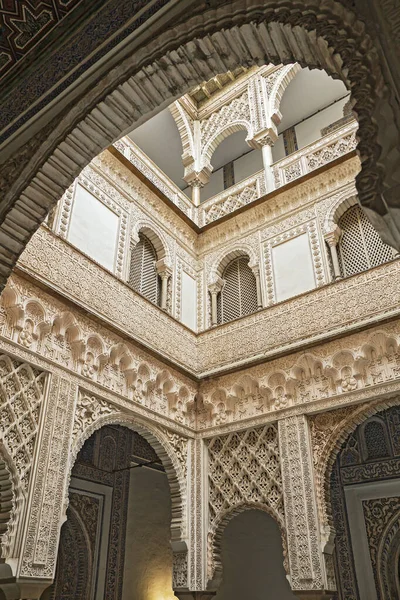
143,276
360,246
239,295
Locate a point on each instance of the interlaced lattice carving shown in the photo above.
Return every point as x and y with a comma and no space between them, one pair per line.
244,468
334,150
237,110
360,246
21,394
235,200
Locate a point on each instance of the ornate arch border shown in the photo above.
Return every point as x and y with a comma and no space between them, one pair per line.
154,234
177,478
221,135
328,36
10,493
228,254
214,541
338,425
345,201
278,90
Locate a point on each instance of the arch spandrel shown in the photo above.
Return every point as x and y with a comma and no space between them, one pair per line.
332,39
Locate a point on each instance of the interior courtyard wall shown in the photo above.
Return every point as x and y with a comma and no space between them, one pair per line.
188,255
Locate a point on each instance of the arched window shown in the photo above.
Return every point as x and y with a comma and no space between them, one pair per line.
360,246
239,295
143,276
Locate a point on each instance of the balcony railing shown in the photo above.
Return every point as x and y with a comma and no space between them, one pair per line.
334,145
315,155
232,198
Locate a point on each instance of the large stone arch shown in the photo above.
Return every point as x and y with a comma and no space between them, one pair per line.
334,427
214,40
215,567
174,468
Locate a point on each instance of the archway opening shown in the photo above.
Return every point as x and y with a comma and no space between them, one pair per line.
365,502
115,542
252,559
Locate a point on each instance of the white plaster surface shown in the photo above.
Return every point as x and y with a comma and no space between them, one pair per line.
189,301
252,560
293,267
93,228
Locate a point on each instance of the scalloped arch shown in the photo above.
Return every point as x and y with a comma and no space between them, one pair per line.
159,442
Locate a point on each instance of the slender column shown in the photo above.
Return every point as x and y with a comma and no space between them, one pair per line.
215,288
165,272
256,270
311,571
333,239
196,187
267,162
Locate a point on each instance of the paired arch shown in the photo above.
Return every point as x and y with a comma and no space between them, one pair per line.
342,203
246,32
156,237
222,134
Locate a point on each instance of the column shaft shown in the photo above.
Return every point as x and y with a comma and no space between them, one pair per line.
267,162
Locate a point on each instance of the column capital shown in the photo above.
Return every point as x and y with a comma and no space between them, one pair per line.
266,137
216,285
163,268
255,267
333,237
196,178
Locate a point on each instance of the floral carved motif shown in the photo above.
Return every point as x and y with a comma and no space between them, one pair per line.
244,471
21,397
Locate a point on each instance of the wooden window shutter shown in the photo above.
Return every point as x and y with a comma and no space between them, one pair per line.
143,276
360,246
239,295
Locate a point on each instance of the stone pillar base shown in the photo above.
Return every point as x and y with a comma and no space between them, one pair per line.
313,594
187,595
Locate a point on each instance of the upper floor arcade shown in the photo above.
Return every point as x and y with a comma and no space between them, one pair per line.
273,274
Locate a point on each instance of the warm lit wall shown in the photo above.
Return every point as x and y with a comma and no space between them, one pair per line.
148,555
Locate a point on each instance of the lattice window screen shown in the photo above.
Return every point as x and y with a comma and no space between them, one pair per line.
360,246
143,276
239,295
